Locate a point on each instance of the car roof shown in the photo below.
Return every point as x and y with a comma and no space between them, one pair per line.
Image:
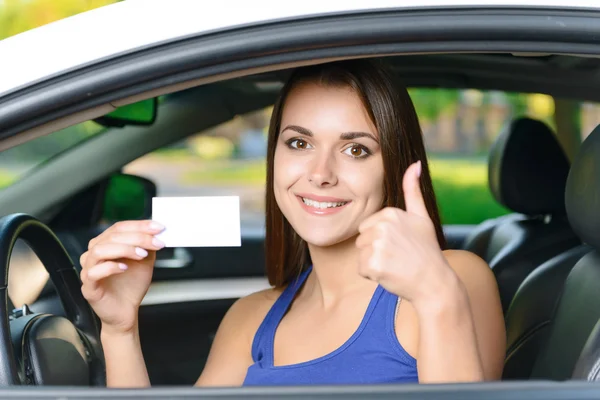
131,25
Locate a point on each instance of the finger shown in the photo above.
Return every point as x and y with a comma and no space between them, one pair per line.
143,240
148,226
113,251
381,217
365,238
365,269
90,287
413,197
370,221
144,226
104,270
83,258
91,291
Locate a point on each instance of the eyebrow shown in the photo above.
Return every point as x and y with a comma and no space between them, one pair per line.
343,136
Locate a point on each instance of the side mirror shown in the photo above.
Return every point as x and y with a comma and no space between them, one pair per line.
141,113
128,197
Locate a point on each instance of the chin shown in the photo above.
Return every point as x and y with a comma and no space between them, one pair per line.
322,237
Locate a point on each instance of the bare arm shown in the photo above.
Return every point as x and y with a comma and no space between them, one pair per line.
229,358
125,366
231,352
454,293
462,333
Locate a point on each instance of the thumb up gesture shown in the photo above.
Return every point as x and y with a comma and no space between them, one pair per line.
399,248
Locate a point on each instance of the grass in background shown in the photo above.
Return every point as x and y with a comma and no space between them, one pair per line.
461,185
229,173
461,188
18,16
6,178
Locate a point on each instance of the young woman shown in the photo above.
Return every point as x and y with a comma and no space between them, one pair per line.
363,290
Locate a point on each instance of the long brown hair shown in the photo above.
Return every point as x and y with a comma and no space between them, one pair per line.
393,114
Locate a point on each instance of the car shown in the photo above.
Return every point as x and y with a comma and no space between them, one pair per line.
153,74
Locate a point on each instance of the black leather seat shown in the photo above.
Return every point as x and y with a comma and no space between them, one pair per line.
578,308
527,173
530,313
588,365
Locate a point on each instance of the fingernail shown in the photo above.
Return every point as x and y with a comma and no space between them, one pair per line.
158,243
155,226
122,266
141,252
419,168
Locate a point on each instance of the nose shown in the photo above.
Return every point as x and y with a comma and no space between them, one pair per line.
322,171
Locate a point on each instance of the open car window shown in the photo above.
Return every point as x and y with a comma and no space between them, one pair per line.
459,126
229,159
17,161
193,288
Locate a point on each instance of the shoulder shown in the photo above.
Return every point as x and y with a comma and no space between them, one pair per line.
484,302
463,256
230,354
248,312
470,268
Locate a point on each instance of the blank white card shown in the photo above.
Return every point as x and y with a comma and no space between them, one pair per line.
208,221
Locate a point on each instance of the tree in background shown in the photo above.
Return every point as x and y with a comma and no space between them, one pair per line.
18,16
442,112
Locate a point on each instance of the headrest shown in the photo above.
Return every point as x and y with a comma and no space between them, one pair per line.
528,169
582,197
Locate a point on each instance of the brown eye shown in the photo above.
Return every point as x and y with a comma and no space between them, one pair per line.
298,144
356,151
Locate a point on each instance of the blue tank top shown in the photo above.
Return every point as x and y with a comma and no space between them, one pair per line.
371,355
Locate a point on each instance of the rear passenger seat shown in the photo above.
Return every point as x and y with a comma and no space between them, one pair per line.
588,365
527,172
529,315
559,316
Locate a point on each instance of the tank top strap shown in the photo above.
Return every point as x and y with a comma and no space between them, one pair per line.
379,316
382,328
262,346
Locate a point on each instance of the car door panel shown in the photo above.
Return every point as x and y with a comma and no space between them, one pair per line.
176,338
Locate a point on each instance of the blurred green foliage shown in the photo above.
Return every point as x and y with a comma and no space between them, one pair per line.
460,184
430,103
18,16
462,190
45,147
6,178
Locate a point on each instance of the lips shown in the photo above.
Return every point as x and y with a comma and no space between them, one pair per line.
321,205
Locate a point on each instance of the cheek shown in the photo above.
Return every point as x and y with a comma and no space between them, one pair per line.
278,174
287,169
366,181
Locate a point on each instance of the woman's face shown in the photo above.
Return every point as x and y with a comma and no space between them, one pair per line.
328,172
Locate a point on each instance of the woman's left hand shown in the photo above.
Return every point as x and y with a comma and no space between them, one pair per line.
399,249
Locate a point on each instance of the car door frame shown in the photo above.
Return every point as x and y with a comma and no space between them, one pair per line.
149,72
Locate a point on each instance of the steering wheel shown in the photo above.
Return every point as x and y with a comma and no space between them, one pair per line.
45,349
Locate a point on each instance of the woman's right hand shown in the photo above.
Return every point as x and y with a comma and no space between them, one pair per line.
117,271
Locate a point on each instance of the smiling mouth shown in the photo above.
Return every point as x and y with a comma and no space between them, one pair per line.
322,205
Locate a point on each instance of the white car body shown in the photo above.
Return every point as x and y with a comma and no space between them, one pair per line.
131,25
54,77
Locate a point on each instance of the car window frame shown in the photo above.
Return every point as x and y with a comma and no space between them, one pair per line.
40,114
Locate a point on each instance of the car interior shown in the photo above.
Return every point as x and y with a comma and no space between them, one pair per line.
527,174
544,253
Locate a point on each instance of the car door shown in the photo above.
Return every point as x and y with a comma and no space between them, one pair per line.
194,287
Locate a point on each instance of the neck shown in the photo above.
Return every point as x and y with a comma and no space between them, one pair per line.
335,271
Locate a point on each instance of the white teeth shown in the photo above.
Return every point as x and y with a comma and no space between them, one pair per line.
322,205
